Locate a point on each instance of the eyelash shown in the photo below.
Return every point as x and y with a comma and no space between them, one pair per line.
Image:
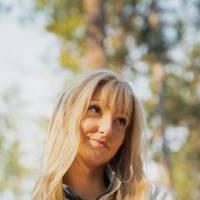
96,108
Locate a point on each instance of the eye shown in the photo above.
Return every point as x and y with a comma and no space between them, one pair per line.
94,109
122,121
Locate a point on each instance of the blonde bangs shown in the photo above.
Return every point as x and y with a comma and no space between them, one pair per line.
121,101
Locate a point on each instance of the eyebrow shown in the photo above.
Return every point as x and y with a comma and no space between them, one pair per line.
95,99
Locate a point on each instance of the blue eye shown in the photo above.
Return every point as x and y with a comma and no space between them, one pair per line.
94,109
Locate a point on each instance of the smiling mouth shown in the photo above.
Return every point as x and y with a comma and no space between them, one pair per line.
102,143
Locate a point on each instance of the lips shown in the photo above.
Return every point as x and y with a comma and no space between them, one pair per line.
100,142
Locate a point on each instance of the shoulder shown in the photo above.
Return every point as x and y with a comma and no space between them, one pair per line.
160,192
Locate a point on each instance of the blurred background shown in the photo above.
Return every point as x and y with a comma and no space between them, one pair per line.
154,44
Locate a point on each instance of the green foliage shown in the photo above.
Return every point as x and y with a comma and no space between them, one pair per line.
186,164
11,167
184,101
69,27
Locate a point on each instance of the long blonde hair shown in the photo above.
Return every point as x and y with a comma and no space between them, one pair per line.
64,137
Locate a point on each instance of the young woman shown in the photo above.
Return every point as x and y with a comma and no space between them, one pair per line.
94,145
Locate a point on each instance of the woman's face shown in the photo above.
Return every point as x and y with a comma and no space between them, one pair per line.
102,132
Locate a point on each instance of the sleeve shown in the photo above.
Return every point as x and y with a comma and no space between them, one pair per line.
158,192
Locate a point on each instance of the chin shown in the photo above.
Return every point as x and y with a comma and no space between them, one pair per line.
97,159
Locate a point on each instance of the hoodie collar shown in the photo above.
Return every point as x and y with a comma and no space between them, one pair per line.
113,185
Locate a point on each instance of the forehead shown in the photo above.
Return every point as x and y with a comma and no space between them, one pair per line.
115,97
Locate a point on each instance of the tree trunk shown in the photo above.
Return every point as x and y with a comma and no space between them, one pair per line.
95,57
159,75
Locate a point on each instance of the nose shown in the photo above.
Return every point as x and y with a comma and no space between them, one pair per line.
106,126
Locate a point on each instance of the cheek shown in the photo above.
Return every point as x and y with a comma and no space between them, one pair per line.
88,126
118,139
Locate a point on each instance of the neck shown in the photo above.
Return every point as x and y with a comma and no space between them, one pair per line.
86,181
